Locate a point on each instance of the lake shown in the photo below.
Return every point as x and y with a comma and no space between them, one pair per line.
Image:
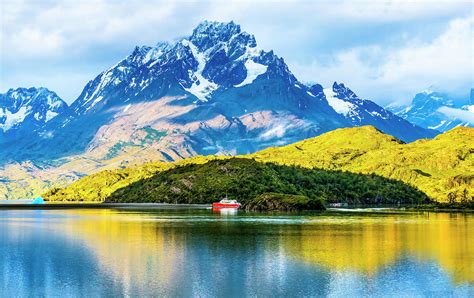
106,252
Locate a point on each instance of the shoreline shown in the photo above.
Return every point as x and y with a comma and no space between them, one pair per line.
151,206
104,206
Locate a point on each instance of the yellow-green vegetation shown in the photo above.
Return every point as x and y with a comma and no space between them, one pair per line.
443,168
97,187
250,182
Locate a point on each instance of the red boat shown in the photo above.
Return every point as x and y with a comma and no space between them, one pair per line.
226,203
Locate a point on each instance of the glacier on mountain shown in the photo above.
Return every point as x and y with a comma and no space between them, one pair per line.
253,71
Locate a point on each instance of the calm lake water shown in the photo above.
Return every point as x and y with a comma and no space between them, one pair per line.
197,252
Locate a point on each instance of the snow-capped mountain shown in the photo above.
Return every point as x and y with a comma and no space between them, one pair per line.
365,112
212,92
435,110
25,109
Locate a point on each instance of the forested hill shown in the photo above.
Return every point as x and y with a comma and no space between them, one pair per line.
246,180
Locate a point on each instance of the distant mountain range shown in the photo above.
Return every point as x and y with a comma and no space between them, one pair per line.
23,110
214,92
435,110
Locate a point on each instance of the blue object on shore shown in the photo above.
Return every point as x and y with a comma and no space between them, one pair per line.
38,201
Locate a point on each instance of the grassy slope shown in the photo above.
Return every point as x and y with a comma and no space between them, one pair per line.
98,186
442,167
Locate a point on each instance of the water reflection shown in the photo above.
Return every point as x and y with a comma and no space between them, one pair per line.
371,243
225,211
106,252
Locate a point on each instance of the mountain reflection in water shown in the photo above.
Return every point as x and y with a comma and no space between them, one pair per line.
189,252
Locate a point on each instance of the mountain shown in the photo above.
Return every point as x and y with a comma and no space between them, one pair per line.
361,112
252,182
213,92
435,110
441,168
24,110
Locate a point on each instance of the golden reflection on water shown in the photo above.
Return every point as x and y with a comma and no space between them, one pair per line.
128,246
131,244
367,244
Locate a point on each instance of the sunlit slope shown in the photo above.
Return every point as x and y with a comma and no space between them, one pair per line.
98,186
443,167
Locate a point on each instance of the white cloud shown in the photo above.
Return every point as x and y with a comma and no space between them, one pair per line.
462,115
276,131
386,74
44,27
69,26
322,40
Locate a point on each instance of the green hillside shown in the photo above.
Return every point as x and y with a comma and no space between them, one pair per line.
442,168
97,187
245,179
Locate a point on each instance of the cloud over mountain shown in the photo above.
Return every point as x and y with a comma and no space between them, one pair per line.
382,43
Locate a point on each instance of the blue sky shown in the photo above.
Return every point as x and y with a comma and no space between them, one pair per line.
384,50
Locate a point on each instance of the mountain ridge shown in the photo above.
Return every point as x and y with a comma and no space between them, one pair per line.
213,92
218,71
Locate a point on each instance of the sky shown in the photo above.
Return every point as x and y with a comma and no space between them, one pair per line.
386,51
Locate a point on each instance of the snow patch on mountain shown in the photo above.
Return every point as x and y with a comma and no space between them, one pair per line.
340,106
439,125
12,119
254,69
105,78
202,88
126,108
28,107
50,115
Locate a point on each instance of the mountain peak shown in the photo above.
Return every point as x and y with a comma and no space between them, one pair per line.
342,91
29,108
428,91
207,34
213,28
431,100
23,95
428,109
